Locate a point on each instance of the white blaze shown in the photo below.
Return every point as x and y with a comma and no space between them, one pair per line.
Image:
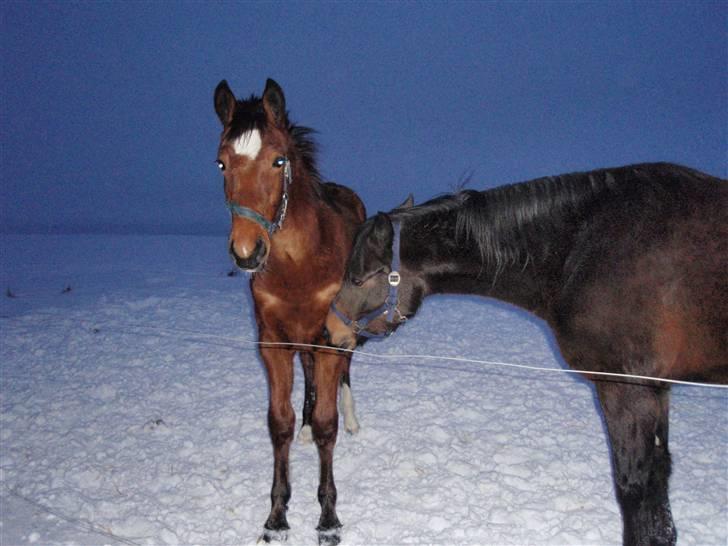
249,144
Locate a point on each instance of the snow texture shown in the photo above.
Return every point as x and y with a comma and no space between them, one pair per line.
133,411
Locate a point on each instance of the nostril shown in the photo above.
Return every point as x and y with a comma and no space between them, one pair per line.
254,260
327,335
259,251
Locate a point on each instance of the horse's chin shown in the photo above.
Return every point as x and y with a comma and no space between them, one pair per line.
347,344
251,271
341,341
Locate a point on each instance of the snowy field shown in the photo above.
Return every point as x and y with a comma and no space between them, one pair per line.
133,411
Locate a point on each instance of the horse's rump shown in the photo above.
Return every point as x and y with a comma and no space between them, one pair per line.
651,269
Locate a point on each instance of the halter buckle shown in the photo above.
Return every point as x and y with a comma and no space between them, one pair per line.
394,278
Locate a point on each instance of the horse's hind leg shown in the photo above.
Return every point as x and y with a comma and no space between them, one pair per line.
346,401
637,421
305,436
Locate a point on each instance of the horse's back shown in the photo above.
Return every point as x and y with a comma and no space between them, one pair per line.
651,295
345,201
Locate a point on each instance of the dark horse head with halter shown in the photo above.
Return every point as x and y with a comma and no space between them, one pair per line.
389,309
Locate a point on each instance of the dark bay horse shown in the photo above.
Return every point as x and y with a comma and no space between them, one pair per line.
294,233
628,266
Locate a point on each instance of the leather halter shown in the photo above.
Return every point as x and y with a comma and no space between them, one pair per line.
390,307
255,216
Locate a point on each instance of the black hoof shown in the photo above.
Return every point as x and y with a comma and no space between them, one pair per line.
329,537
269,535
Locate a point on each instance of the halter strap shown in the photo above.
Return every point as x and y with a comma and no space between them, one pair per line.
390,306
394,278
245,212
255,216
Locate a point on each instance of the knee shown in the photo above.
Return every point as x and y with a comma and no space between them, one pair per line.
325,424
281,424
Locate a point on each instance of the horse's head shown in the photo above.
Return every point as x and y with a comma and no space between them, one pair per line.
379,292
253,157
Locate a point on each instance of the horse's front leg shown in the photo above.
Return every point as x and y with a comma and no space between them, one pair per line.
328,368
281,423
637,421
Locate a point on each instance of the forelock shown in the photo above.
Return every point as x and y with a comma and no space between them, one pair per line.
248,117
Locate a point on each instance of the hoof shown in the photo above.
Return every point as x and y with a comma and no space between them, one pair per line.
329,537
271,536
305,435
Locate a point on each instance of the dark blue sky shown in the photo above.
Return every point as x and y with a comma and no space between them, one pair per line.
108,124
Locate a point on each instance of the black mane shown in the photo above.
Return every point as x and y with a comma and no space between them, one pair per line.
500,221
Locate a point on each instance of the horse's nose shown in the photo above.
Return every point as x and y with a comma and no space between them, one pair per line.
254,260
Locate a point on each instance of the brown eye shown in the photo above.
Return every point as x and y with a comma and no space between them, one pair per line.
279,161
220,165
357,282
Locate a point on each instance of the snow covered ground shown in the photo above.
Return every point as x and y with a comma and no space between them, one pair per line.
133,410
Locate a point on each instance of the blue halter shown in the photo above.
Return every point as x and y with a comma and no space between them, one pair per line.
390,306
255,216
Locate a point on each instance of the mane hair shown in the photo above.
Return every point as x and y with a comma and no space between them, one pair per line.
500,222
249,115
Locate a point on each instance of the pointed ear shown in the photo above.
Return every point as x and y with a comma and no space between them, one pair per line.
274,102
407,203
382,227
224,102
382,219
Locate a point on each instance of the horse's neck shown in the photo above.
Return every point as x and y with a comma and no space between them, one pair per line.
299,238
466,274
524,276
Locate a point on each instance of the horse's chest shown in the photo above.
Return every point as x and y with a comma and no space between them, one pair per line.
298,313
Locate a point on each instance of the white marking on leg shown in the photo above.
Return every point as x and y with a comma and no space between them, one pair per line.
346,404
249,144
305,435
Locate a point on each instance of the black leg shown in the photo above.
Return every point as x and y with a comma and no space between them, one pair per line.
305,435
637,421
